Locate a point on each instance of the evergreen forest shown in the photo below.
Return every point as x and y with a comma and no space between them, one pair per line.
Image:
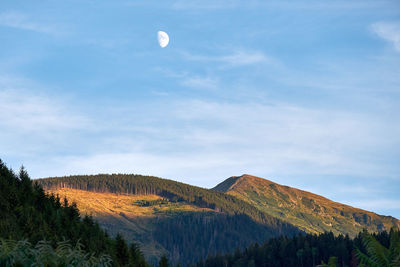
38,228
366,249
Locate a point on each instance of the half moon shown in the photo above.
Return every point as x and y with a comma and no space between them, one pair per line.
163,38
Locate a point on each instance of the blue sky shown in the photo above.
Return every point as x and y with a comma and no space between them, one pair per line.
305,93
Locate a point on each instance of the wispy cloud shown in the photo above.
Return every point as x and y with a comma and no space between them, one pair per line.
377,204
282,4
247,137
19,20
28,112
389,31
236,59
200,82
205,4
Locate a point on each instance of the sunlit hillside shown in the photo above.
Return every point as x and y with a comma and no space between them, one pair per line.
131,215
310,212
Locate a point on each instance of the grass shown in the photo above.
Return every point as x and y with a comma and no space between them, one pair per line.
103,204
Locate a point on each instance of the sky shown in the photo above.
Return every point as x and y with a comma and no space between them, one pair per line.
304,93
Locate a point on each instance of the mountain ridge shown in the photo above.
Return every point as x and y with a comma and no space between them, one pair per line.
301,207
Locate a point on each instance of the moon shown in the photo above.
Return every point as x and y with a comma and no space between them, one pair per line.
163,38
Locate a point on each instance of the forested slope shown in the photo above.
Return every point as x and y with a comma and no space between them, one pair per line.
28,213
381,249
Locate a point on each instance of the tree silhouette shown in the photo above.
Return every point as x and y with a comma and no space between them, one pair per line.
163,262
121,250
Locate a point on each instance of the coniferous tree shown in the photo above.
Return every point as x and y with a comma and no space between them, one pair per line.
136,256
163,262
121,250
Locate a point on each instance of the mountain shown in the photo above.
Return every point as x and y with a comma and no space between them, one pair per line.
187,223
309,212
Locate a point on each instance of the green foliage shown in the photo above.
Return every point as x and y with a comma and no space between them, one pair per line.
332,262
378,254
22,253
148,203
121,251
136,256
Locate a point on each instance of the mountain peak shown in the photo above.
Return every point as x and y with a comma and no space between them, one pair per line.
227,184
237,181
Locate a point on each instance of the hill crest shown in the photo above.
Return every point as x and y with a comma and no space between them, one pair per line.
308,211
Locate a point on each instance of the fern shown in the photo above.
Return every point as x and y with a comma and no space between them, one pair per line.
379,255
21,253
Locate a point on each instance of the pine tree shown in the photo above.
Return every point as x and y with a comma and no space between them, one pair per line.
121,250
136,256
163,262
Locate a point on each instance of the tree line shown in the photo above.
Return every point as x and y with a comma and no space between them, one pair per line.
366,249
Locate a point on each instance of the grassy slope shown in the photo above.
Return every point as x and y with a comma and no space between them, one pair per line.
122,213
310,212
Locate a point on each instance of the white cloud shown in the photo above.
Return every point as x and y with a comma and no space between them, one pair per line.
27,112
240,58
390,32
205,4
191,138
26,109
32,122
21,21
196,5
236,59
200,82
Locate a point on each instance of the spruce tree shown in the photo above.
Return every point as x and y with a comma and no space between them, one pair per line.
121,250
163,262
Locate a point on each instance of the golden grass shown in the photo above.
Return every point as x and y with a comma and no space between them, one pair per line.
101,204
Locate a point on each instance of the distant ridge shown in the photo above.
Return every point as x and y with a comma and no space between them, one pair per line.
308,211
